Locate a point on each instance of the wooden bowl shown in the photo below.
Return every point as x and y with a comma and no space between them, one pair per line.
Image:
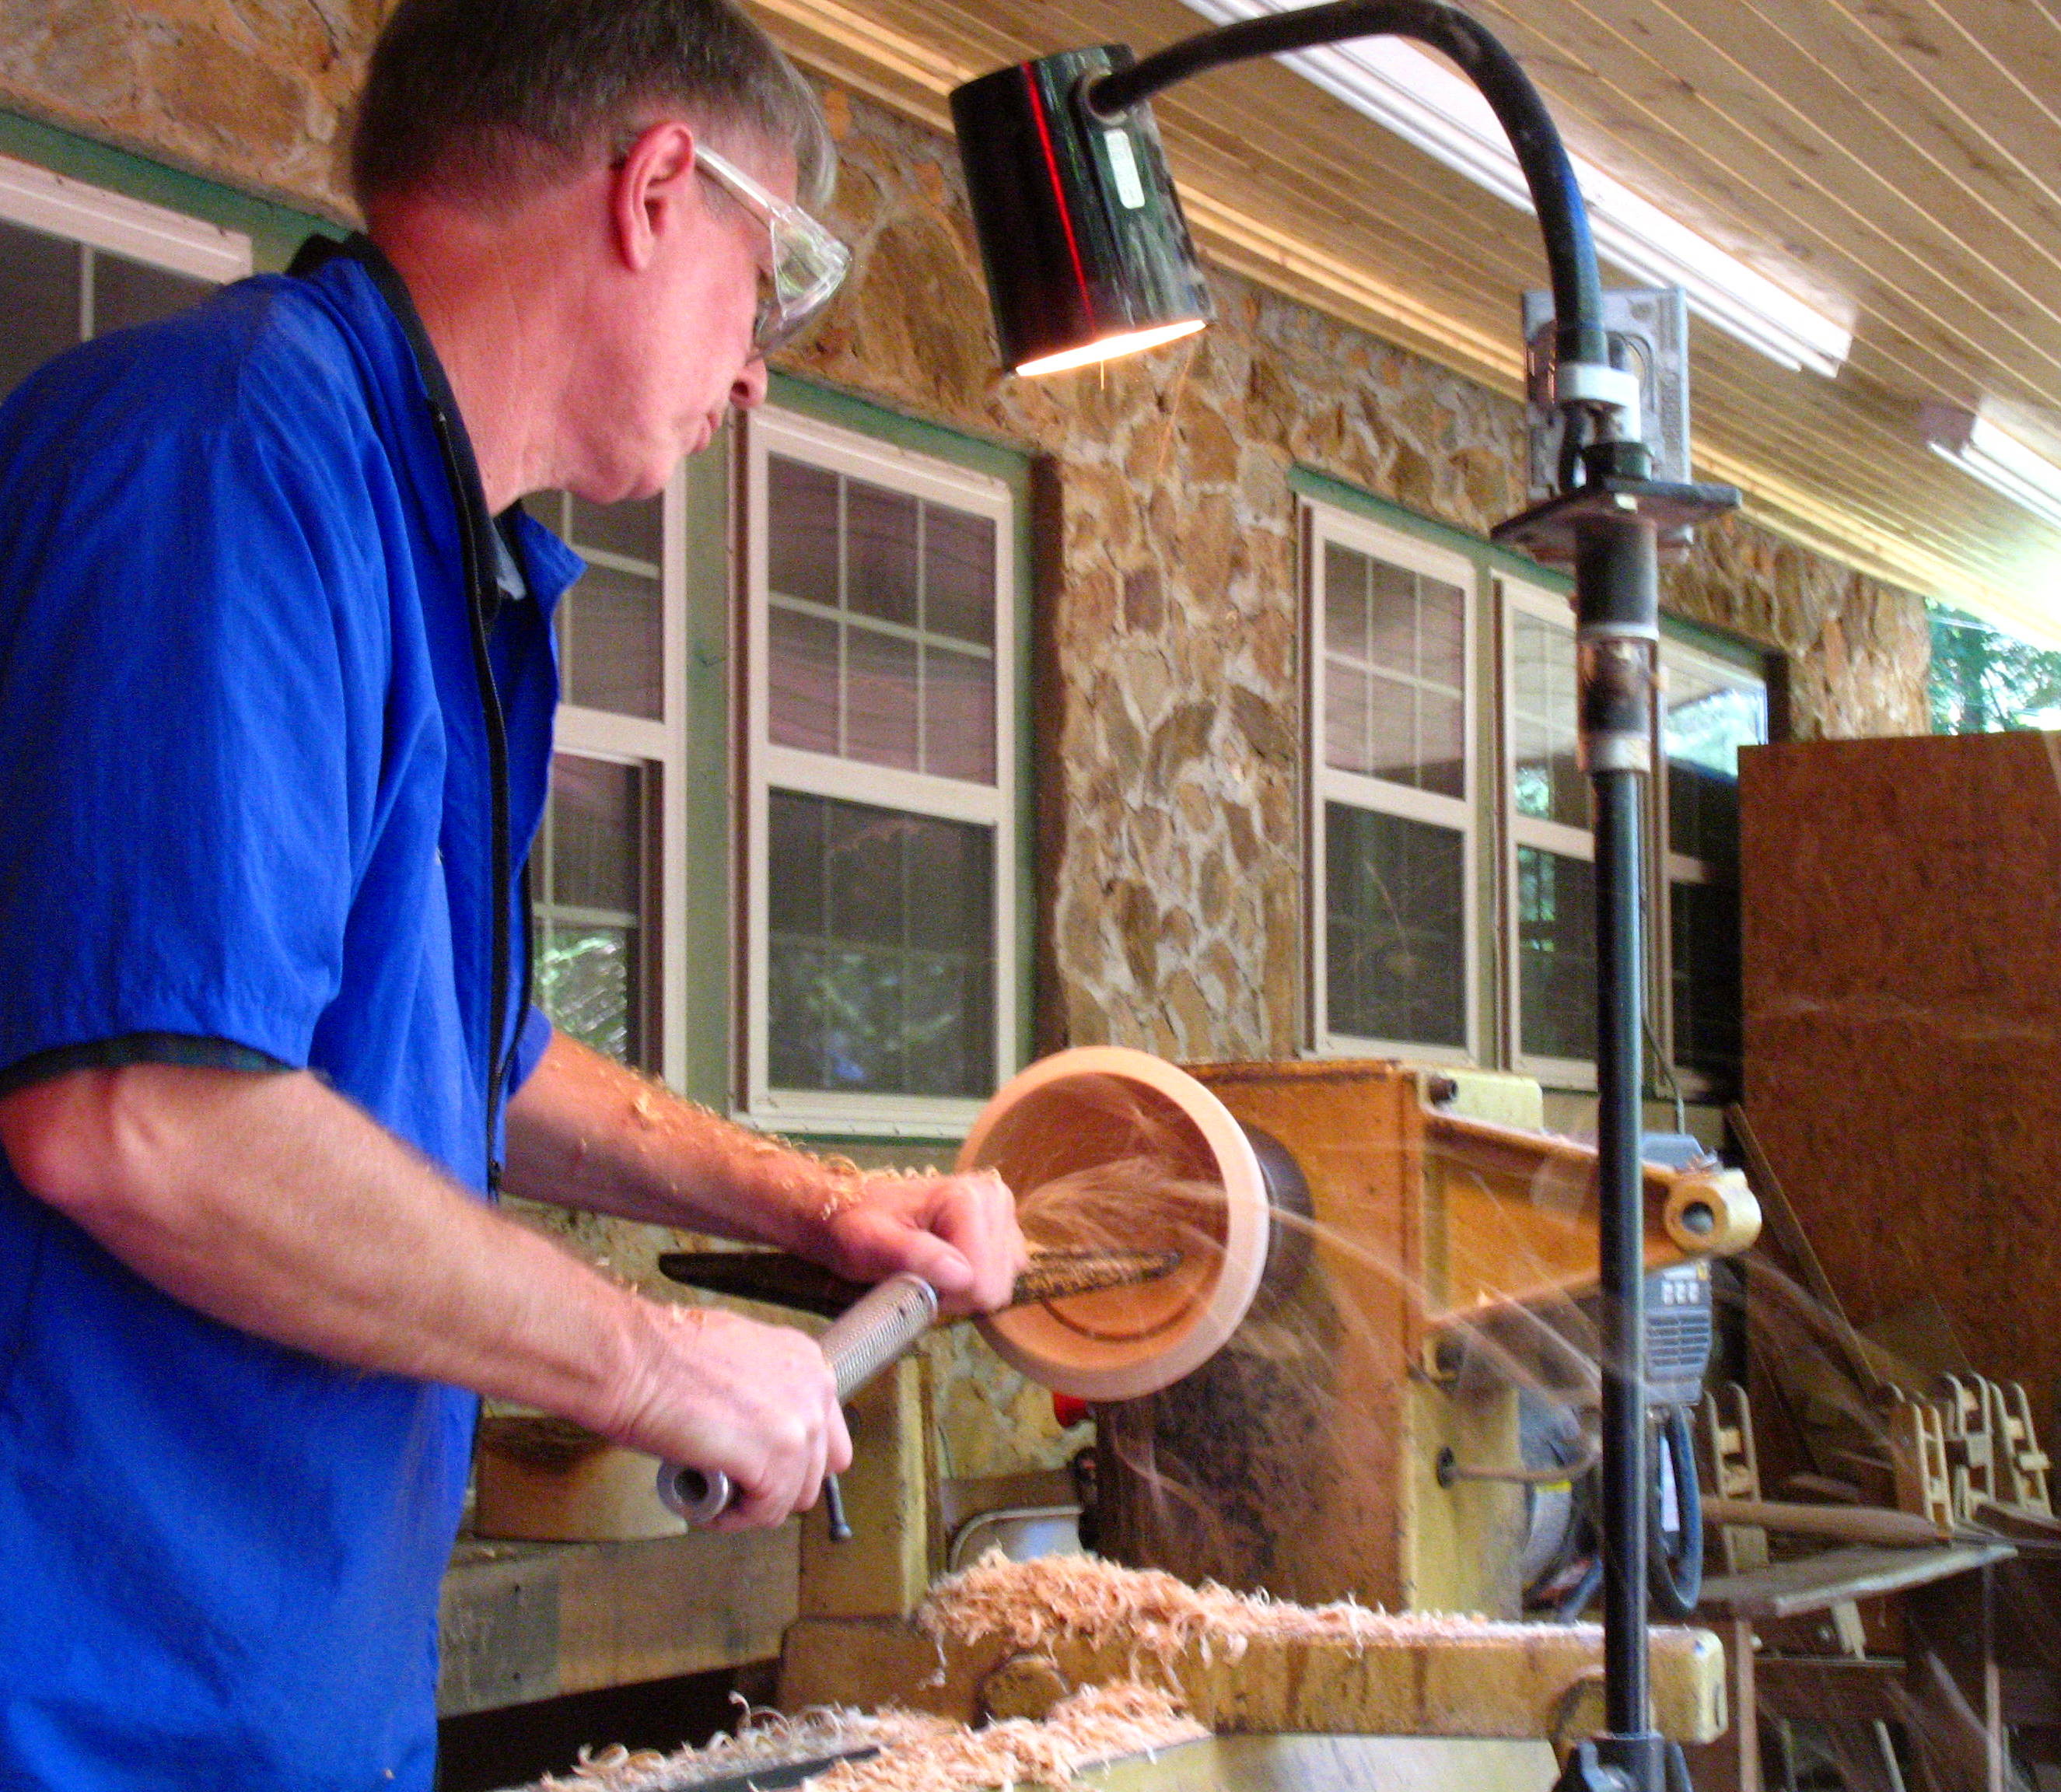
1096,1105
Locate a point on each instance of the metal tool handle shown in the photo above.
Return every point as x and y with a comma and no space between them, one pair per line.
883,1323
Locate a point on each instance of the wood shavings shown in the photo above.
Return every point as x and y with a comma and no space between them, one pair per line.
917,1753
763,1739
1032,1604
1098,1724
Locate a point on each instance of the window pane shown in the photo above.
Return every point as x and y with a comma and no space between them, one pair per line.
802,680
1345,601
880,698
1347,701
592,906
1556,952
126,292
39,299
1707,723
1442,639
802,531
865,872
958,574
613,643
880,550
892,992
1392,719
1704,921
797,897
635,529
1441,743
1396,941
596,815
1549,781
958,715
1392,643
585,979
1703,812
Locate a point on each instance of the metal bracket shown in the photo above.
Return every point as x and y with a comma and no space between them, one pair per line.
1547,531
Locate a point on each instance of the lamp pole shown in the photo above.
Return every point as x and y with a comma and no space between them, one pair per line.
1115,271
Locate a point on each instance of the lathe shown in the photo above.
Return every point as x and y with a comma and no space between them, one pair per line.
1366,1380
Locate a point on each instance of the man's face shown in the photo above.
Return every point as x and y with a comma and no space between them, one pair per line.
682,356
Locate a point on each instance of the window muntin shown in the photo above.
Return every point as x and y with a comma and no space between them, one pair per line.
1391,824
878,843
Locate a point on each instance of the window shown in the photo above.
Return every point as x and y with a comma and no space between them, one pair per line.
609,858
1392,794
880,787
1551,932
1709,709
1396,812
76,262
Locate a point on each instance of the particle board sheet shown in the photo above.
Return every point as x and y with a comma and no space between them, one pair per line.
1902,921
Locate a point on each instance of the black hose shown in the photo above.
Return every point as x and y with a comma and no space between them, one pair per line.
1563,220
1677,1576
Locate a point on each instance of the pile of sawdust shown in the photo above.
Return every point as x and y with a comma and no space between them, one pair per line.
763,1739
1030,1606
918,1754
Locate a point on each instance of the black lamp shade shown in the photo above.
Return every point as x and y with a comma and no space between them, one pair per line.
1086,252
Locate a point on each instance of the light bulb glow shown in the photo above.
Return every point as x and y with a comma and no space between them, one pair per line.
1108,348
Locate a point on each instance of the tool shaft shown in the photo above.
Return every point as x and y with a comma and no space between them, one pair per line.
883,1324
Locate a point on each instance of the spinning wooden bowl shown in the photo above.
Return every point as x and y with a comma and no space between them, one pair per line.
1095,1105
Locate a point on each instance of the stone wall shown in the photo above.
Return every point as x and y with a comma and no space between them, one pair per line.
251,93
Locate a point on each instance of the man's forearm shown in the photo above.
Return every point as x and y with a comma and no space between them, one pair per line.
583,1132
270,1203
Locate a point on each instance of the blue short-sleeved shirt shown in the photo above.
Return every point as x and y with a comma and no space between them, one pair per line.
244,796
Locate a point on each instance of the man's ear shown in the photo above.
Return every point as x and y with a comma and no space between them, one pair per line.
651,184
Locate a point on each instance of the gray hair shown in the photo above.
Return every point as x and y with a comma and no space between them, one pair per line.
488,99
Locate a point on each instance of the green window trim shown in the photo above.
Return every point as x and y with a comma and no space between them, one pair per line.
275,231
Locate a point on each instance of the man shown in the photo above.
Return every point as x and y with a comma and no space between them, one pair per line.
275,697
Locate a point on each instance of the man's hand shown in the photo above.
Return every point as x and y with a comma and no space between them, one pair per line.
959,1233
757,1401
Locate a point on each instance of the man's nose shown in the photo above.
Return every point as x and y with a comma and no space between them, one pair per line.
748,392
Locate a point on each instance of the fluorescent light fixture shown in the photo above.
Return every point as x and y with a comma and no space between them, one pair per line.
2002,462
1414,93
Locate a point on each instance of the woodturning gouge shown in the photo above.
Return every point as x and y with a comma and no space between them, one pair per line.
873,1326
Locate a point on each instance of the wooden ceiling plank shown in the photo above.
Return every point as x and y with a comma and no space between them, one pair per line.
1936,273
1933,269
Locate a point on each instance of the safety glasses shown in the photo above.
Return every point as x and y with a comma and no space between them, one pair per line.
807,265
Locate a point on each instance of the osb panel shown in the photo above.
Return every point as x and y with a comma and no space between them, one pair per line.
1902,938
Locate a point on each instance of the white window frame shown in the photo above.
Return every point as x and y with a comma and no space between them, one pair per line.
1324,523
765,766
1681,867
1516,598
660,747
61,206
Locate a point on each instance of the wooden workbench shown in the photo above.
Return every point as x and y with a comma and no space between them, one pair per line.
529,1621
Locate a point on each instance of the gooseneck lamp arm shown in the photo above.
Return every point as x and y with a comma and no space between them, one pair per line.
1087,257
1577,299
